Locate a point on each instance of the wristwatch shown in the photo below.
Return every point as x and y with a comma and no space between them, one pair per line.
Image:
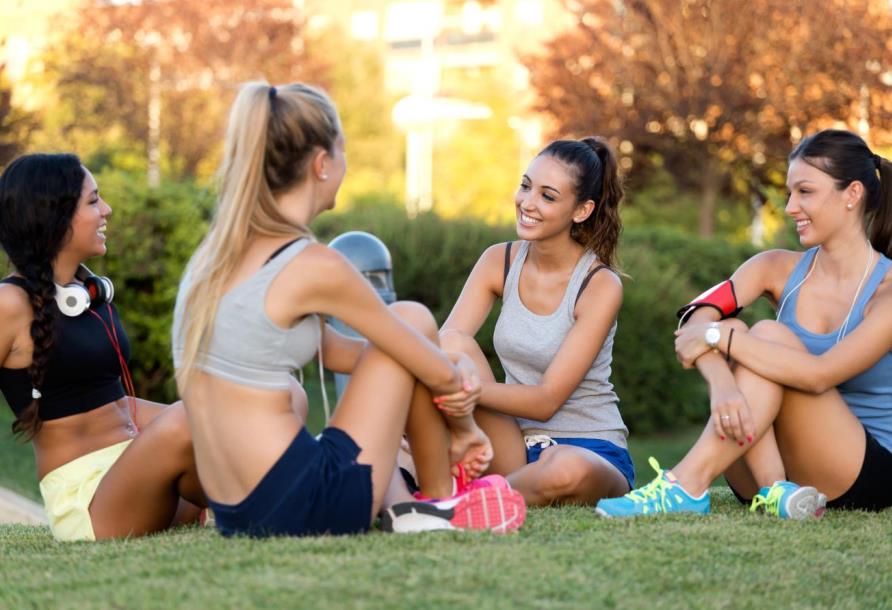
713,335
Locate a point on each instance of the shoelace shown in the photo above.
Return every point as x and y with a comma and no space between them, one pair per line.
771,501
543,440
653,491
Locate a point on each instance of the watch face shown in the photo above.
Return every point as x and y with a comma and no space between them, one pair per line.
712,336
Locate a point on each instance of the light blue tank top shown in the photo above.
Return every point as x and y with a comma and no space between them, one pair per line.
869,394
246,347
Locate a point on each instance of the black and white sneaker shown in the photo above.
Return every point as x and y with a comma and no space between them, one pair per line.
488,509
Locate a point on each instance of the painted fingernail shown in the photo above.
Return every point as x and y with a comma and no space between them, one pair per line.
750,438
740,443
722,437
467,387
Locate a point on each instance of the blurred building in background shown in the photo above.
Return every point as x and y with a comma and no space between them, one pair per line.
433,49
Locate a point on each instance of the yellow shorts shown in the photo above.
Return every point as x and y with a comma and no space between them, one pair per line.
69,489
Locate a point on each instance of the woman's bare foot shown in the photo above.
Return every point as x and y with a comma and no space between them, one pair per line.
471,448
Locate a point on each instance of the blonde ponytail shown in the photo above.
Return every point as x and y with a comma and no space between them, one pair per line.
272,135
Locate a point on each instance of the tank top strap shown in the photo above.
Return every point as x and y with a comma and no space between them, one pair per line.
873,282
283,256
799,272
509,291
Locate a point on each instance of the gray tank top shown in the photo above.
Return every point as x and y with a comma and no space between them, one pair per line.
246,347
526,344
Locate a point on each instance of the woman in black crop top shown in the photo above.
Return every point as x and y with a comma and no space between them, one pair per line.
108,465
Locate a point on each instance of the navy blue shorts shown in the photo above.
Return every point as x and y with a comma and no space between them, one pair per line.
617,456
316,487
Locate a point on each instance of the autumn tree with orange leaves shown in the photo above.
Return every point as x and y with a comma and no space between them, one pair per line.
160,74
718,90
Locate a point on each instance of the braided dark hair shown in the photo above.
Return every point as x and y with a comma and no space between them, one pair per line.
38,199
596,178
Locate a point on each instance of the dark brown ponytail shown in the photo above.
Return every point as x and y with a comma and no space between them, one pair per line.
881,223
38,199
598,179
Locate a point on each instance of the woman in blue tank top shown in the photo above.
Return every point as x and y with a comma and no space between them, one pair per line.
109,465
801,407
554,421
250,310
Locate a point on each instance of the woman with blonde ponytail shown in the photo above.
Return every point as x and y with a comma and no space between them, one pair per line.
554,423
801,406
250,310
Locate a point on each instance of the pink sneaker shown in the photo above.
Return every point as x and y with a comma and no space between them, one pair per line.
493,509
461,487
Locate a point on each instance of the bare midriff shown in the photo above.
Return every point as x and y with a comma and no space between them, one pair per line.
239,432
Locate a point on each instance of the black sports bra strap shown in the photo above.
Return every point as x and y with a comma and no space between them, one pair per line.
281,249
507,263
15,281
587,279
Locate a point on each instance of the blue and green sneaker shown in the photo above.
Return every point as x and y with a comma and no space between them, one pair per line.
790,501
662,495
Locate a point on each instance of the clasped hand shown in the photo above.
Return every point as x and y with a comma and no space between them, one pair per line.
461,403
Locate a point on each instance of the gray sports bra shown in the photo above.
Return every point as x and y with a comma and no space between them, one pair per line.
246,347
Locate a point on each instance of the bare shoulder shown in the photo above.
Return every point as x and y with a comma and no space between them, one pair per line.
781,261
319,261
604,290
768,271
15,315
494,256
14,304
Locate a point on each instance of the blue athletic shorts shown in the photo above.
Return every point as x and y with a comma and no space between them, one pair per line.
316,487
617,456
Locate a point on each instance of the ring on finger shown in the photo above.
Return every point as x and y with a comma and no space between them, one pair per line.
725,417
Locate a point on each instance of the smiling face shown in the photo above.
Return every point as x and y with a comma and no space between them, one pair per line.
818,207
86,238
545,202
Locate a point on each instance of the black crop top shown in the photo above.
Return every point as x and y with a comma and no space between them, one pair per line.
83,372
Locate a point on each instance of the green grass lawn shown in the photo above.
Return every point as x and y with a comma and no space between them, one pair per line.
562,558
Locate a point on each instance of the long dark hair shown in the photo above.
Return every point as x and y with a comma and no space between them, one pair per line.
596,178
38,199
845,157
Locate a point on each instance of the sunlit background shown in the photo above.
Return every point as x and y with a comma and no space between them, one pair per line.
445,101
443,104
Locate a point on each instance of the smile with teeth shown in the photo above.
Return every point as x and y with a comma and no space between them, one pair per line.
101,231
801,224
528,220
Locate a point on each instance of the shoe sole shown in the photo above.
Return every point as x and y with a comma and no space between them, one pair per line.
488,509
806,503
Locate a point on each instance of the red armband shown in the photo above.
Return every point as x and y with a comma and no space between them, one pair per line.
720,297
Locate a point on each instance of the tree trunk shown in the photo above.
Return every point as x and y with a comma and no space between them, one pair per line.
710,183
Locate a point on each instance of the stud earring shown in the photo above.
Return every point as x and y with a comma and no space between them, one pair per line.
324,176
850,206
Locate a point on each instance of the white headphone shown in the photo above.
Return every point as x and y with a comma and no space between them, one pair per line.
74,299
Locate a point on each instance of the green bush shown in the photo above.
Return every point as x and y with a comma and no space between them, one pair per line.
151,235
666,268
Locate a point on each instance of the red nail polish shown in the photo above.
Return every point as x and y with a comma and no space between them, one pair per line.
740,443
750,438
722,437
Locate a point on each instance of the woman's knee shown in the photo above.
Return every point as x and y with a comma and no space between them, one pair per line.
174,426
562,474
417,316
773,331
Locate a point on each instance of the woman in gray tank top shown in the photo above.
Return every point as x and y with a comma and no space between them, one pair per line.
249,311
554,422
